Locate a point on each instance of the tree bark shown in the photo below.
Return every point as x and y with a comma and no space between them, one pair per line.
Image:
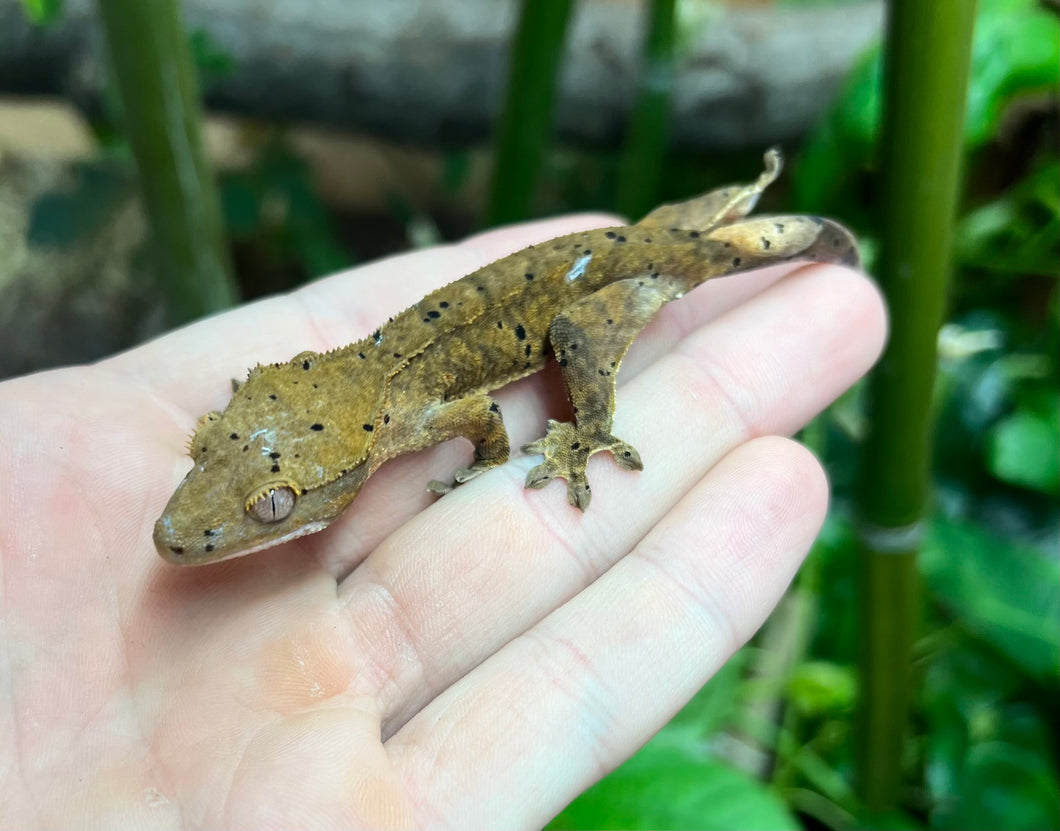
432,72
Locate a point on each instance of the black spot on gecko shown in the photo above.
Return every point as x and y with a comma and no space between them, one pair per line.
766,243
655,275
528,276
234,436
520,332
610,322
494,408
368,428
377,336
587,252
443,305
274,455
273,397
528,350
208,532
386,418
176,549
433,314
306,364
396,355
246,447
209,547
576,445
360,355
500,324
275,468
736,261
318,426
620,238
694,234
562,361
479,288
779,226
610,235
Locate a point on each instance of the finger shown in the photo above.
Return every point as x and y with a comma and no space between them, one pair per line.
561,705
488,561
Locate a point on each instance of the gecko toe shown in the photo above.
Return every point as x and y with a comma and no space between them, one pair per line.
625,455
578,492
438,487
539,476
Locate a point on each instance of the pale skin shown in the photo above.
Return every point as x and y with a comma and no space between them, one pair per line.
462,662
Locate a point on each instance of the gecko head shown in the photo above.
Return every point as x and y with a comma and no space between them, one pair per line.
272,467
207,521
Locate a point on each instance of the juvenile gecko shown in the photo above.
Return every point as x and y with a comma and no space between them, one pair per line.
298,439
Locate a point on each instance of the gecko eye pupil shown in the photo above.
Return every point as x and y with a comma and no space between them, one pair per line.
274,505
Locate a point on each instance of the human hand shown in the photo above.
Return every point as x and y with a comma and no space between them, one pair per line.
474,661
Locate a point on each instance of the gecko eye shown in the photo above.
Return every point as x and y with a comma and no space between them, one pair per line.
272,505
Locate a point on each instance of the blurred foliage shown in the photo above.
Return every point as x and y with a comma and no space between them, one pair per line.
42,12
280,229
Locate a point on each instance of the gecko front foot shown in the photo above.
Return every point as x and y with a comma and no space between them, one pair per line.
461,475
566,451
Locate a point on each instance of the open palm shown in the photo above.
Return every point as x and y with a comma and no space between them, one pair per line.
473,661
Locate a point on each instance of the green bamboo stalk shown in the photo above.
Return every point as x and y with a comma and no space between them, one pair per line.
926,76
642,159
159,92
527,119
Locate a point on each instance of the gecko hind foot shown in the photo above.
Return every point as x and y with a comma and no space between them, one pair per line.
566,453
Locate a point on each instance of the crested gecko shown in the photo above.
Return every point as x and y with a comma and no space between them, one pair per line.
298,439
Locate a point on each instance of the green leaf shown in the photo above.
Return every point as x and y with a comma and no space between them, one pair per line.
1005,592
1024,449
1015,53
1003,786
42,12
818,688
671,784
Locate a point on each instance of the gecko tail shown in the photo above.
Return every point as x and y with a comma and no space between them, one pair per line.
765,240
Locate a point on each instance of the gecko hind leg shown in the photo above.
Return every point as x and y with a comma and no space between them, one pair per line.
590,338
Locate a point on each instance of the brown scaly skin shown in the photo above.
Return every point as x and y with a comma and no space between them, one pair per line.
296,442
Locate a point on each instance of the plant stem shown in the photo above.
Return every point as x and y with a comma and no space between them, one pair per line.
527,120
159,92
642,159
926,75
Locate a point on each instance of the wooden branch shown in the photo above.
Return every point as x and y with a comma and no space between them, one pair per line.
432,72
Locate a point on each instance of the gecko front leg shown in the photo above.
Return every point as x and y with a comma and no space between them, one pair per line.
590,338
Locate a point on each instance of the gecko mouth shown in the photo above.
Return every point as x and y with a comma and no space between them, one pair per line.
182,558
304,531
